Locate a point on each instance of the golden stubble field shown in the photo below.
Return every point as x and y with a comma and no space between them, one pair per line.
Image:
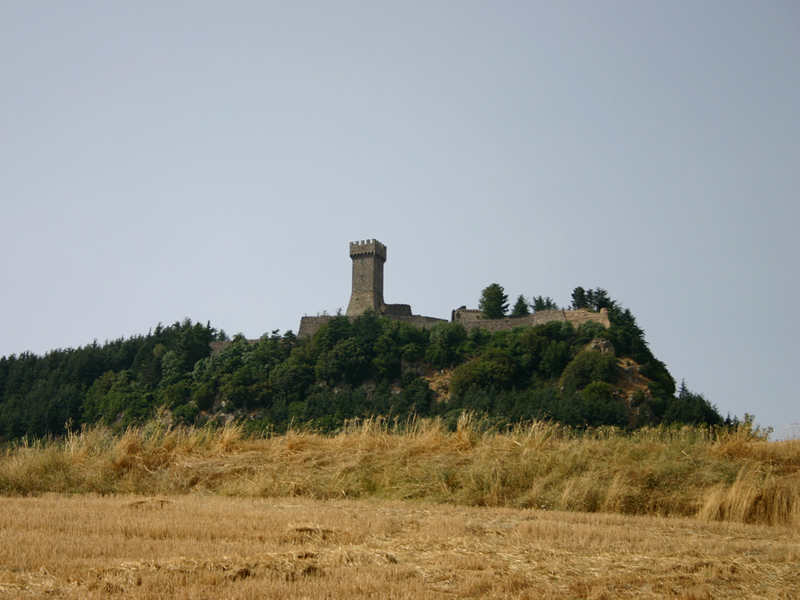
207,546
386,510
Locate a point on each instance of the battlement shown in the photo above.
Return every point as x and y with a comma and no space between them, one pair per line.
368,248
369,257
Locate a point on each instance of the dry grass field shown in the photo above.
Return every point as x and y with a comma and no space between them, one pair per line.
219,547
413,511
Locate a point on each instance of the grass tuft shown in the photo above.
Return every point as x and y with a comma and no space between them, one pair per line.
693,472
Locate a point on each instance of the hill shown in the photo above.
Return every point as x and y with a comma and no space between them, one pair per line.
353,367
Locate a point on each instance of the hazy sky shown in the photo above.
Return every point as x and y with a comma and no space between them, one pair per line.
212,160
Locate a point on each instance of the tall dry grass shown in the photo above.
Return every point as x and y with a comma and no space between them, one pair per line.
729,476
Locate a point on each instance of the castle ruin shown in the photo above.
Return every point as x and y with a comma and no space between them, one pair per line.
367,295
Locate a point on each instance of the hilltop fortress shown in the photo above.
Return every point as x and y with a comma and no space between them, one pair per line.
367,294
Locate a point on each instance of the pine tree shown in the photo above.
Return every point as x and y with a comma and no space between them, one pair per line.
542,303
493,302
579,299
520,307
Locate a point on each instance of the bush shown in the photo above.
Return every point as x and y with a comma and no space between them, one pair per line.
602,407
494,368
186,413
445,349
589,366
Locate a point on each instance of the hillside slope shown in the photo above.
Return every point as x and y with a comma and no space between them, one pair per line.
367,366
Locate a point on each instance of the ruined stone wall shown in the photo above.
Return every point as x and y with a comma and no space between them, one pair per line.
309,325
418,320
218,346
577,317
472,318
396,310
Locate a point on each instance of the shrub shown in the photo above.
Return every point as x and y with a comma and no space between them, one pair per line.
589,366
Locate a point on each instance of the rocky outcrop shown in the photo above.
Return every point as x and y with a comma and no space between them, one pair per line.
601,345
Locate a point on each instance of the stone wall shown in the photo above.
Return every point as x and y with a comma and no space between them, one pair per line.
217,346
396,310
418,320
577,317
472,318
309,325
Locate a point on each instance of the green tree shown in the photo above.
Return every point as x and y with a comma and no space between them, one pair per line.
555,358
601,407
600,299
186,413
520,307
493,368
445,348
344,362
542,303
592,299
493,302
589,366
579,299
689,407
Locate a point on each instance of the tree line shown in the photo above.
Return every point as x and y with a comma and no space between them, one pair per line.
494,302
360,367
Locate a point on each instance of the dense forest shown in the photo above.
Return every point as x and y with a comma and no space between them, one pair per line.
362,367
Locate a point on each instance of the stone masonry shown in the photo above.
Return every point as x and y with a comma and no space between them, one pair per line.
367,294
368,258
472,318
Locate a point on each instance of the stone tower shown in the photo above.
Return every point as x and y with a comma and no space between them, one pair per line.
368,258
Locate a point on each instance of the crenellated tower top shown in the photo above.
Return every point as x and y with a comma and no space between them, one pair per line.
368,248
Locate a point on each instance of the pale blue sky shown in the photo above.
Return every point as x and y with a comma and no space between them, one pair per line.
160,160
